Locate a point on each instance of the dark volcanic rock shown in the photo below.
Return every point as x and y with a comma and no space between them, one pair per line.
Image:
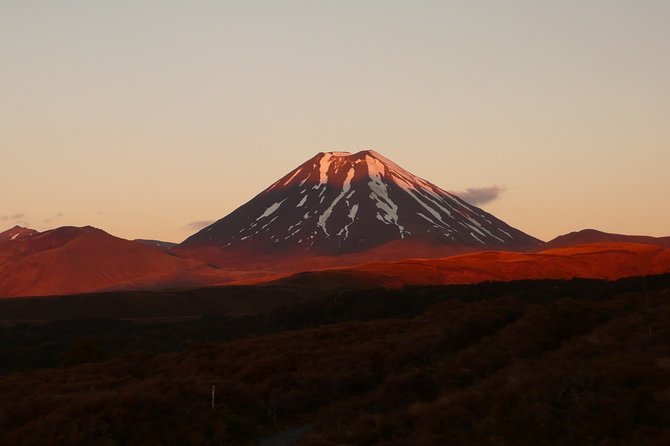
340,203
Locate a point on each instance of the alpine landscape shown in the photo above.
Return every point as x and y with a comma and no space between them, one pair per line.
186,261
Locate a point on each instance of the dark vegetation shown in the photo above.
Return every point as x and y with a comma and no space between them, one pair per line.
533,362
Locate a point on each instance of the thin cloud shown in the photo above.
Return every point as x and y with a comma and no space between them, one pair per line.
481,195
17,219
12,217
55,216
198,225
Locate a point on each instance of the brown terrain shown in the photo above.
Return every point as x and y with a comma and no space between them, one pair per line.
609,261
579,362
72,260
594,236
353,217
16,233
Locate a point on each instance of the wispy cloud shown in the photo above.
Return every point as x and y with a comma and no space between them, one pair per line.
198,225
12,217
15,219
55,216
481,195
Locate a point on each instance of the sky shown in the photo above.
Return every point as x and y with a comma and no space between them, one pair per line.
144,117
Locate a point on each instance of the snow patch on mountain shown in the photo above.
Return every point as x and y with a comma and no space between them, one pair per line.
345,188
324,166
380,194
295,174
271,210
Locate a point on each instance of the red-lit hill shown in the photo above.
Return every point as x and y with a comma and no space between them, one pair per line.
71,260
607,261
16,233
594,236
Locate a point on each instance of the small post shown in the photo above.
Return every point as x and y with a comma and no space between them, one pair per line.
213,396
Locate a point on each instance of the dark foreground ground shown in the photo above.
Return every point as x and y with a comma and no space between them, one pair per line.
521,363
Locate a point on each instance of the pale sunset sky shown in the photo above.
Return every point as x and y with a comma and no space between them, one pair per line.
141,117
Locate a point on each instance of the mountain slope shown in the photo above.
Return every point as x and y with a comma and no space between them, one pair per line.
594,236
75,260
608,261
16,233
165,246
338,203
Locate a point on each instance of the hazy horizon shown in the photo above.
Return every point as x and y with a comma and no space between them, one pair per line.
143,118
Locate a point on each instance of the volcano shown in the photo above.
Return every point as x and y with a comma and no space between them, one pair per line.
339,204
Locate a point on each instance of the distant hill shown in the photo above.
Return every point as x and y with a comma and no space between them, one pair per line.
608,261
16,233
157,243
75,260
594,236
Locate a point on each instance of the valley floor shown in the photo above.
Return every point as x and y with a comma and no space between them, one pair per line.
522,363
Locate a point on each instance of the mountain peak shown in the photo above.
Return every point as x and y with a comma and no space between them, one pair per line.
340,202
16,233
587,236
334,153
334,166
343,153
